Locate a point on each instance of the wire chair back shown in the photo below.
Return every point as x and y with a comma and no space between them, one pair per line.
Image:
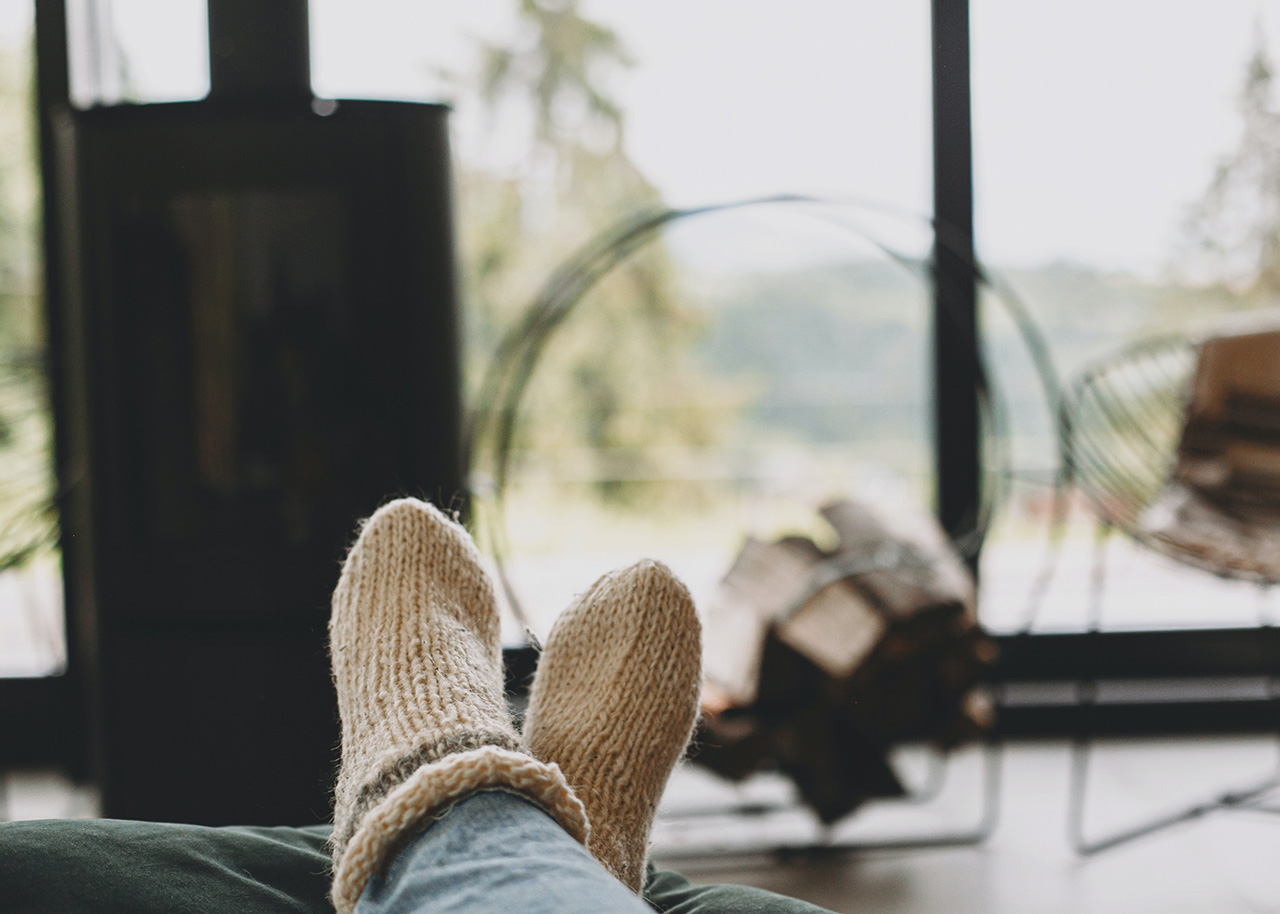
1121,422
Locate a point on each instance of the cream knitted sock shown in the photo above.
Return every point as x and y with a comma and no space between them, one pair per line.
614,701
418,670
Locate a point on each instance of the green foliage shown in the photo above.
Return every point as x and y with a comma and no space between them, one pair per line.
560,69
838,352
1233,230
20,304
27,515
615,387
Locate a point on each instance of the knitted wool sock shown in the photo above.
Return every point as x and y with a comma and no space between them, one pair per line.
418,671
614,701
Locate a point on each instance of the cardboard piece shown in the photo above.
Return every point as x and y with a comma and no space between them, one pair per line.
1221,506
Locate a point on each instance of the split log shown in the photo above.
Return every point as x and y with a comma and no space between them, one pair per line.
819,662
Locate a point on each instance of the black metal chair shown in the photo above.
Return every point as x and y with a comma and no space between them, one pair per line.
1121,423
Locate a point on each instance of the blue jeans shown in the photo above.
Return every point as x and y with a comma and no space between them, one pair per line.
496,852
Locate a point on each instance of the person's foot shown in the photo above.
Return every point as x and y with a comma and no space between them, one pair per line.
614,701
417,666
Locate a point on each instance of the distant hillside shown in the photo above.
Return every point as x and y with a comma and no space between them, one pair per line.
830,348
841,352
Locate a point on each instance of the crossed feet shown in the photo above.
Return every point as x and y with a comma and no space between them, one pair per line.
417,664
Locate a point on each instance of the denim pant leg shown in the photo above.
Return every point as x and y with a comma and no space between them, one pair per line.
496,852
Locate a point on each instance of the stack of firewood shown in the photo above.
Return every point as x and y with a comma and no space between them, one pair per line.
819,662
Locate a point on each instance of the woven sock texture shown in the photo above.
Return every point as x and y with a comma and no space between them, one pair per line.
417,665
614,702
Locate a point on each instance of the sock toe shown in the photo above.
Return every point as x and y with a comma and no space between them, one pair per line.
614,701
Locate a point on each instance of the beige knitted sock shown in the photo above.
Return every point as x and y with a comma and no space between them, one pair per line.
614,701
418,670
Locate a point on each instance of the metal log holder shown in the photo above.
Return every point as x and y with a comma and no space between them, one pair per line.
492,428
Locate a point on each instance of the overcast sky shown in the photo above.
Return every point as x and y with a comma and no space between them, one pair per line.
1096,122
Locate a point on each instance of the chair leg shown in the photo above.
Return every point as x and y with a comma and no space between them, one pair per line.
935,779
1273,692
1082,746
1231,799
1086,699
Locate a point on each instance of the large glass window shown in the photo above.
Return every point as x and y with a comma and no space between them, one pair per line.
137,51
726,378
741,366
1099,129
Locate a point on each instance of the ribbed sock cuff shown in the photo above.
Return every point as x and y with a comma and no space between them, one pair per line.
406,808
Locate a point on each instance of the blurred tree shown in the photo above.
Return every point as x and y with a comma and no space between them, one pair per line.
20,320
1233,230
27,514
622,385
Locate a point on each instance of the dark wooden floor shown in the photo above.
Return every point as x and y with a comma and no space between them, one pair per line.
1223,862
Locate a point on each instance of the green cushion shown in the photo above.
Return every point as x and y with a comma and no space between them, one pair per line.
671,893
109,866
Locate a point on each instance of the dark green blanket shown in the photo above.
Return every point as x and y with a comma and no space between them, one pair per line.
107,866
